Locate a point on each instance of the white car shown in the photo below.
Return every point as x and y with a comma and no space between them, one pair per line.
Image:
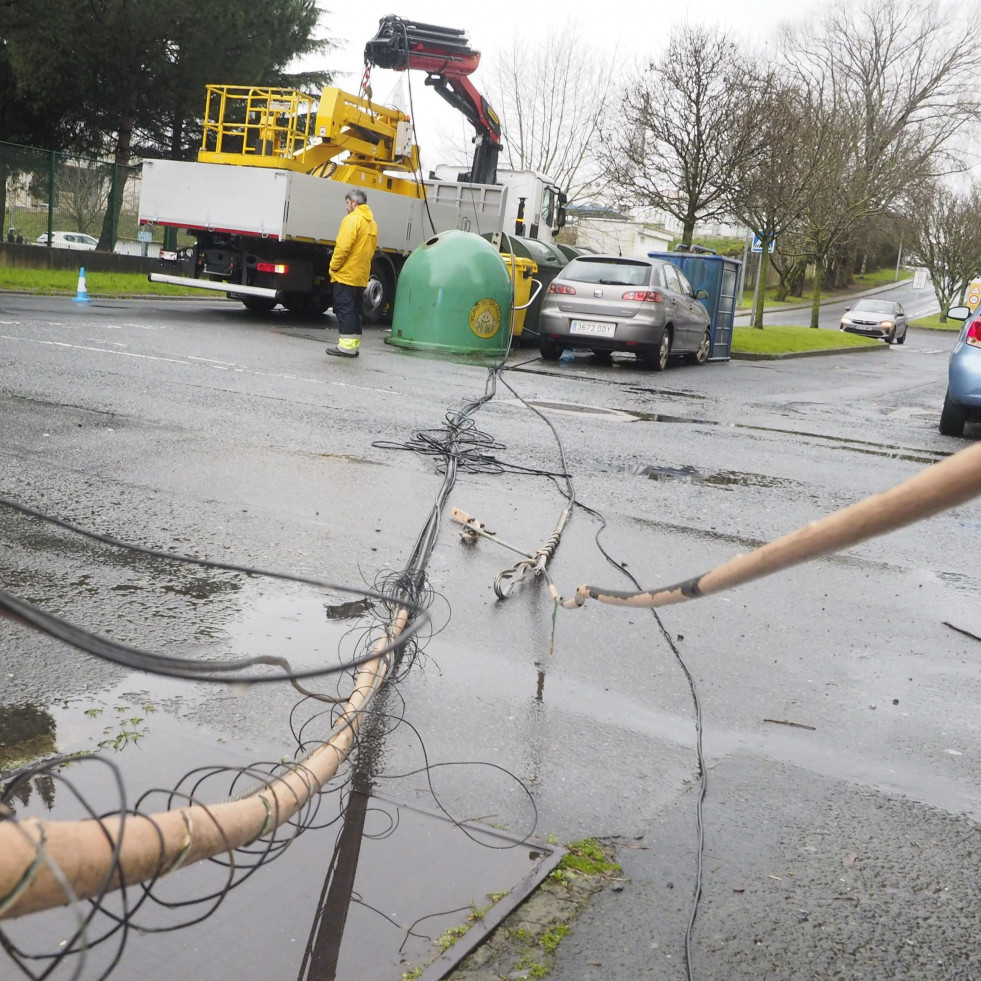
69,240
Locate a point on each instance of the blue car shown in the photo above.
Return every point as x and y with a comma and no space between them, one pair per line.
962,403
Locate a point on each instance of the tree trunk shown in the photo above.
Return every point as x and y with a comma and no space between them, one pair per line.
121,159
687,230
816,296
3,189
761,292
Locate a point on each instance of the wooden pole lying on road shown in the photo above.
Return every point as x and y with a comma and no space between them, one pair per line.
945,485
153,845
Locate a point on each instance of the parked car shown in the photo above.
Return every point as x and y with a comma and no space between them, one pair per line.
607,303
962,403
876,318
69,240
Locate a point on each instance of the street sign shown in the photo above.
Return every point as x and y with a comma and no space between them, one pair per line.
758,243
974,294
919,279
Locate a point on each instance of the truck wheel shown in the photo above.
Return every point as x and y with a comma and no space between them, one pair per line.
379,294
306,304
258,304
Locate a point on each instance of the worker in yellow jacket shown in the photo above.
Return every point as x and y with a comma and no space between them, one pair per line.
350,267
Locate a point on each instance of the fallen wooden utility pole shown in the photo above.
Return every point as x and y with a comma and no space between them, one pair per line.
945,485
97,856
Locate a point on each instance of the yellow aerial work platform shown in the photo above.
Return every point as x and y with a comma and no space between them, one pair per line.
338,135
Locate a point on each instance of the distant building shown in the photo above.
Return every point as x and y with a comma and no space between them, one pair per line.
643,230
607,231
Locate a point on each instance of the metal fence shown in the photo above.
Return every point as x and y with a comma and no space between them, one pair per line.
44,192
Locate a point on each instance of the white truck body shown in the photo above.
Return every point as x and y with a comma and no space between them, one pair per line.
291,206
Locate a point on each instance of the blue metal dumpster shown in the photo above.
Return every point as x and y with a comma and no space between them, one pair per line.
718,275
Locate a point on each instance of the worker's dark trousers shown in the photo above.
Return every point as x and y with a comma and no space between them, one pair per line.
349,309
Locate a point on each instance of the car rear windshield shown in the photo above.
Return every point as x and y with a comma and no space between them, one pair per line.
613,272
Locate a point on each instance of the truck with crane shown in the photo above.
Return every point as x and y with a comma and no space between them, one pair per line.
265,197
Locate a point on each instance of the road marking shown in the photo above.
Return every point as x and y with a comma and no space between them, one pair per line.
203,363
224,364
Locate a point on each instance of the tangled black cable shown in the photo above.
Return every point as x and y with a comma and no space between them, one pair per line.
228,672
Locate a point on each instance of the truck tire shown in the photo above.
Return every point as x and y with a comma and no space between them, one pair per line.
306,304
379,294
258,304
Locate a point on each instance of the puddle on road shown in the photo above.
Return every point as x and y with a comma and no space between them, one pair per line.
372,888
726,479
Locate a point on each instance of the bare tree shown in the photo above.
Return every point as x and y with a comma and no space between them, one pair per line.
82,193
772,187
552,97
685,127
942,234
895,78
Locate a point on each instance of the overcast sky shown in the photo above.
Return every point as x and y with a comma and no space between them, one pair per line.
637,29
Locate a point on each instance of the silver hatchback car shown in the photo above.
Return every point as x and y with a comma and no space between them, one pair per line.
608,303
884,319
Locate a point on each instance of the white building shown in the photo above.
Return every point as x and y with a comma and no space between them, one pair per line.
611,233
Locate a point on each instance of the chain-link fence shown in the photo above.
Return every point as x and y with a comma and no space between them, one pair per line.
75,202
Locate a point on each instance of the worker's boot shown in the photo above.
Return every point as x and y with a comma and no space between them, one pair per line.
347,346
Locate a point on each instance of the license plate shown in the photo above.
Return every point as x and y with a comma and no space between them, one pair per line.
589,327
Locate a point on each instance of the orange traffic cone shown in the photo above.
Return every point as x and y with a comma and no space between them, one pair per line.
81,294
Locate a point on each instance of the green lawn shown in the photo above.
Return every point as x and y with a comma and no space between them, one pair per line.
933,323
786,340
55,281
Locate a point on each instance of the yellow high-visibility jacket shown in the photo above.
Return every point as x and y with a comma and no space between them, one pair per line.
356,241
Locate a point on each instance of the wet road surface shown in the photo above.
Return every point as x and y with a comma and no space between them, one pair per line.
838,701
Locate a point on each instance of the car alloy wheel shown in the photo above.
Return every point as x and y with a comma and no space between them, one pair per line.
658,359
700,356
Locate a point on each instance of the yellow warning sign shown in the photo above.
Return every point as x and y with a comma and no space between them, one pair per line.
974,294
485,317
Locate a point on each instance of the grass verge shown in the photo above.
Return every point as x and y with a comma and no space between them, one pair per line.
933,323
789,340
524,945
53,282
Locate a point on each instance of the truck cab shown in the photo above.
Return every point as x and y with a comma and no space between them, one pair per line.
534,206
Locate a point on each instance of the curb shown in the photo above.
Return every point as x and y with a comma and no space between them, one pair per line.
806,354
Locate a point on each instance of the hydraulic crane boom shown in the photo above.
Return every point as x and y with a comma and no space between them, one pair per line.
444,53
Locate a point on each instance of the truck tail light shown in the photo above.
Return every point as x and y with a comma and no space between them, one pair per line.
647,296
561,288
280,268
973,335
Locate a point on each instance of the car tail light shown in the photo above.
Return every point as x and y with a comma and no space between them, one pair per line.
647,296
561,288
973,335
280,268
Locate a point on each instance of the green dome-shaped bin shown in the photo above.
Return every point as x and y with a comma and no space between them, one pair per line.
453,296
